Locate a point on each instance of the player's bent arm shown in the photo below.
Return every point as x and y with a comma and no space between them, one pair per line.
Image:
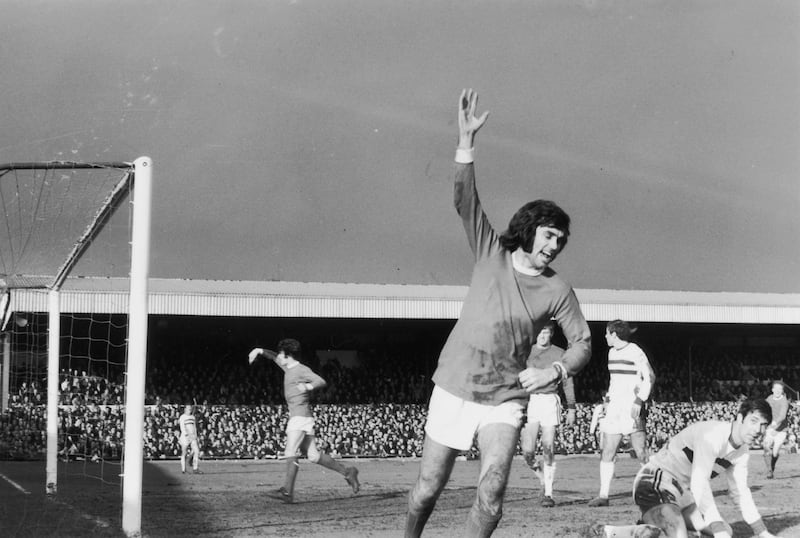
261,352
647,378
316,381
570,318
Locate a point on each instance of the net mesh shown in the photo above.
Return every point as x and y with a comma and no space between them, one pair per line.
52,212
62,221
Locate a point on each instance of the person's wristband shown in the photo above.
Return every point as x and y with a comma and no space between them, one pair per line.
309,387
465,155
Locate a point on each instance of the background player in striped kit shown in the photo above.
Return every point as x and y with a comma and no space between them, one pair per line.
630,381
299,382
188,439
544,413
775,435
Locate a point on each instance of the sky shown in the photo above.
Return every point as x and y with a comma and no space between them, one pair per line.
312,140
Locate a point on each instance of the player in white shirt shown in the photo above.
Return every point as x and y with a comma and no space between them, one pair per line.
188,439
674,491
630,381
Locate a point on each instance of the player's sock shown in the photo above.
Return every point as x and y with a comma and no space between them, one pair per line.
480,524
606,474
291,475
773,461
549,473
631,531
415,522
329,463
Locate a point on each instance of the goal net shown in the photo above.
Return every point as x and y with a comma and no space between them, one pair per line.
74,257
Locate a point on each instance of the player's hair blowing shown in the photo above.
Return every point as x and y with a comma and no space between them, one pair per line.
290,348
522,226
759,405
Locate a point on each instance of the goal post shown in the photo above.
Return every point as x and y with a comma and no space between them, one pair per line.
137,350
54,213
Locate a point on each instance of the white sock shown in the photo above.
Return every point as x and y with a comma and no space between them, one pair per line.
549,473
606,474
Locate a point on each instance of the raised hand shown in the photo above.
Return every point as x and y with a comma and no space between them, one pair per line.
468,123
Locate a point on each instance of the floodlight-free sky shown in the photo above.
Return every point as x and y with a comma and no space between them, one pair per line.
312,140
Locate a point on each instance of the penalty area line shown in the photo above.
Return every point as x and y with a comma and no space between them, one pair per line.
7,479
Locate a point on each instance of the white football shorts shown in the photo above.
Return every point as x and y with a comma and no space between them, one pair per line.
453,421
545,409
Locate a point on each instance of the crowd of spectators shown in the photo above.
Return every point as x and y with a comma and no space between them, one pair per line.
94,432
374,410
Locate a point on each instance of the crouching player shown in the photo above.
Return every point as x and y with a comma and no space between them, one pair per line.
299,382
673,490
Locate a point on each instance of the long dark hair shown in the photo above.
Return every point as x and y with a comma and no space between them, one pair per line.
522,226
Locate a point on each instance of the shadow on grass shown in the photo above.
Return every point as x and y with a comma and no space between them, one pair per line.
88,501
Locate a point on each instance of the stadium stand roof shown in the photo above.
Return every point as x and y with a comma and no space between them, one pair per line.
393,301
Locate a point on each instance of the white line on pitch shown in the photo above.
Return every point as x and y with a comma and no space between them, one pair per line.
7,479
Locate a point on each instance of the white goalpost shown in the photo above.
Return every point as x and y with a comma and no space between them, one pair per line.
44,204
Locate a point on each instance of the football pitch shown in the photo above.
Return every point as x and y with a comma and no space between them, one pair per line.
230,499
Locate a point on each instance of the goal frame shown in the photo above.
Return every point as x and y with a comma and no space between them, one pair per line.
137,181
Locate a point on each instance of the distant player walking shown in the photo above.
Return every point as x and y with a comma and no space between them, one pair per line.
298,383
776,432
674,491
630,381
544,412
188,439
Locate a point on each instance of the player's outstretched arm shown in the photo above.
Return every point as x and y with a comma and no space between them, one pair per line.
468,123
257,352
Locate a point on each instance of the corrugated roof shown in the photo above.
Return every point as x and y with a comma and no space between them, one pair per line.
393,301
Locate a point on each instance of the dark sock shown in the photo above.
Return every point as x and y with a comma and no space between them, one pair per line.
481,525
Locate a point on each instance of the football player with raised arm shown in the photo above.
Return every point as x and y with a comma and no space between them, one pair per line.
299,382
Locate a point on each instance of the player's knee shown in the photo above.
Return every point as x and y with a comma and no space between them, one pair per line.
547,452
314,455
667,517
491,488
423,496
530,458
